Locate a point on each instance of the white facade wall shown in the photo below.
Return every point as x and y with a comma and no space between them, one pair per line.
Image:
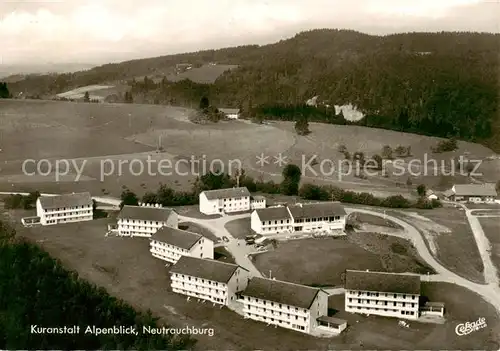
227,205
142,228
282,315
255,204
204,248
216,292
237,283
318,308
404,306
70,214
302,225
320,223
270,227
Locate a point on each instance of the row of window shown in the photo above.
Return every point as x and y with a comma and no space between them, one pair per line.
409,313
272,304
235,199
140,221
286,324
320,219
200,295
307,220
56,215
265,310
209,282
52,221
66,208
384,303
376,294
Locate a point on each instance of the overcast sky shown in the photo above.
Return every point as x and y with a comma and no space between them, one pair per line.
100,31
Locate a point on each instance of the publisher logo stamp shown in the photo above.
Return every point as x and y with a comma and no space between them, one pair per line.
470,327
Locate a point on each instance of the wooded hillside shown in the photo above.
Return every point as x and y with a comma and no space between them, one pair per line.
443,84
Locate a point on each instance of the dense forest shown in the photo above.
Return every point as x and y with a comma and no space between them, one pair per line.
35,290
443,84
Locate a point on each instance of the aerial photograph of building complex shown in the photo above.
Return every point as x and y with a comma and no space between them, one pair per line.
293,175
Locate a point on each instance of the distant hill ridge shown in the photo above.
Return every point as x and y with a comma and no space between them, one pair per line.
443,84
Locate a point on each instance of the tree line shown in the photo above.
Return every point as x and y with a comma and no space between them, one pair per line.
290,185
439,84
35,289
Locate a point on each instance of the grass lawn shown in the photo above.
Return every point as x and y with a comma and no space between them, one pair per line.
461,305
124,267
491,228
366,218
323,260
452,237
239,228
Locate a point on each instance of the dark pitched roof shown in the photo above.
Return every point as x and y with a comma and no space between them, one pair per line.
487,189
226,193
281,292
146,213
448,193
66,200
273,213
319,209
204,268
176,237
382,282
258,197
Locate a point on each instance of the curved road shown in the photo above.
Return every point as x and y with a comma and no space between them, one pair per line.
490,292
218,227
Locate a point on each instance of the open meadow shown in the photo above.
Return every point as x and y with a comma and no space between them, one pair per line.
322,261
449,238
113,141
124,267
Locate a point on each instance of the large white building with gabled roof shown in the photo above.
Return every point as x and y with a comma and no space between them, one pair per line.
288,305
144,221
384,294
222,201
472,193
170,244
65,208
308,217
215,281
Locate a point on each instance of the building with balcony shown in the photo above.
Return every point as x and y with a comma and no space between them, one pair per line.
214,281
144,221
169,244
385,294
271,220
310,217
67,208
224,201
286,305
